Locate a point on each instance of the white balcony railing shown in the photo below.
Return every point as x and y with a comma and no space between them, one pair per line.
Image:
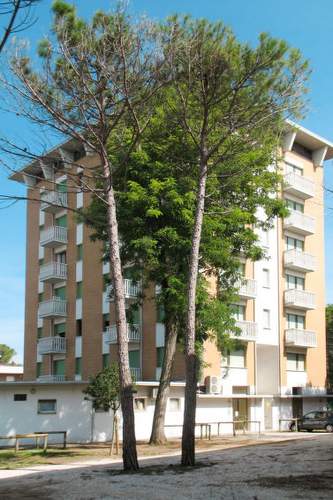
249,330
136,373
300,223
53,272
53,308
247,288
53,236
133,333
298,185
299,261
300,338
131,289
46,379
53,201
51,345
300,299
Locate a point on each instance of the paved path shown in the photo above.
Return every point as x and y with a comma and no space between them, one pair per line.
299,469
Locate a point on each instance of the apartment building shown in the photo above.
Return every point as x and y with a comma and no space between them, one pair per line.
279,368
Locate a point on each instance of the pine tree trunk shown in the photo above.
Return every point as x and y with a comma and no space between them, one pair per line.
130,461
158,433
188,437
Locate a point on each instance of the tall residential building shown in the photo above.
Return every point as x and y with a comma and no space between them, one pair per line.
70,329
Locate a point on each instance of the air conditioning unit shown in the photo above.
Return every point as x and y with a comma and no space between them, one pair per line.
213,385
154,391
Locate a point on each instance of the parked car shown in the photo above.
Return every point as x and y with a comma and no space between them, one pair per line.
314,421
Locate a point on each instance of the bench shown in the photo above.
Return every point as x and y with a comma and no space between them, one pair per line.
202,425
64,434
18,437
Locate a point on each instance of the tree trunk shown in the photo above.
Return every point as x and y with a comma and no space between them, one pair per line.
130,461
158,433
188,437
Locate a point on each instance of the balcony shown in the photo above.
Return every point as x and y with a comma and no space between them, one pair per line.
131,289
300,186
299,261
249,331
247,288
299,299
51,345
133,333
54,308
136,374
47,379
53,201
53,236
53,272
300,223
300,338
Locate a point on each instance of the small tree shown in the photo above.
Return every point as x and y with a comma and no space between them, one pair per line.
104,392
6,353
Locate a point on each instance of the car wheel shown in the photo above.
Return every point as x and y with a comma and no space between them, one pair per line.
292,427
329,428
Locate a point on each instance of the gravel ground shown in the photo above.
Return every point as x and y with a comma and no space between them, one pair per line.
298,469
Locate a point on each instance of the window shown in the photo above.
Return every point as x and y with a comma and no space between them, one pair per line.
79,252
290,168
139,404
61,257
238,312
265,238
39,368
41,262
79,290
47,406
62,187
295,321
295,362
294,244
159,356
78,366
266,278
60,330
79,327
106,360
106,321
61,221
133,315
295,282
174,404
295,205
39,333
160,313
234,359
20,397
40,297
267,318
241,268
106,282
60,292
59,367
134,358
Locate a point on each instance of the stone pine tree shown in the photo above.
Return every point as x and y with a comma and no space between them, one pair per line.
6,354
227,97
91,76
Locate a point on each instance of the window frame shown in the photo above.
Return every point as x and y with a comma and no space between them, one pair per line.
46,412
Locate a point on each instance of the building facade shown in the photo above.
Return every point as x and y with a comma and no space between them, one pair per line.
279,369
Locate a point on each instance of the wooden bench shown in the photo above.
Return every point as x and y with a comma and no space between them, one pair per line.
64,434
18,437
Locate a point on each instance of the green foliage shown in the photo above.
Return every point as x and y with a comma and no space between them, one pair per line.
104,389
6,354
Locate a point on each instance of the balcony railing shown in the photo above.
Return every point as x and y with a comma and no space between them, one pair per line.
51,378
299,261
51,345
136,373
300,338
53,201
53,236
249,330
298,185
131,289
53,272
300,223
299,299
247,288
53,308
133,333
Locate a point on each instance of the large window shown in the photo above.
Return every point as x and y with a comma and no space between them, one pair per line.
295,362
79,290
295,282
79,252
238,312
78,366
61,257
295,205
294,244
106,360
62,186
296,321
47,406
59,367
234,359
134,358
60,330
159,356
60,292
290,168
61,221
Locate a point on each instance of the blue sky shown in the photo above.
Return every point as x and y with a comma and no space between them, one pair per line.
305,24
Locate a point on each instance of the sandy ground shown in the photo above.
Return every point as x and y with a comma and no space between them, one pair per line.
301,468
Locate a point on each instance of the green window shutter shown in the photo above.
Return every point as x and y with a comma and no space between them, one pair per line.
59,367
106,282
78,366
106,321
61,221
39,369
133,315
160,314
79,290
134,359
62,187
106,360
159,356
40,297
79,252
60,329
39,333
60,292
